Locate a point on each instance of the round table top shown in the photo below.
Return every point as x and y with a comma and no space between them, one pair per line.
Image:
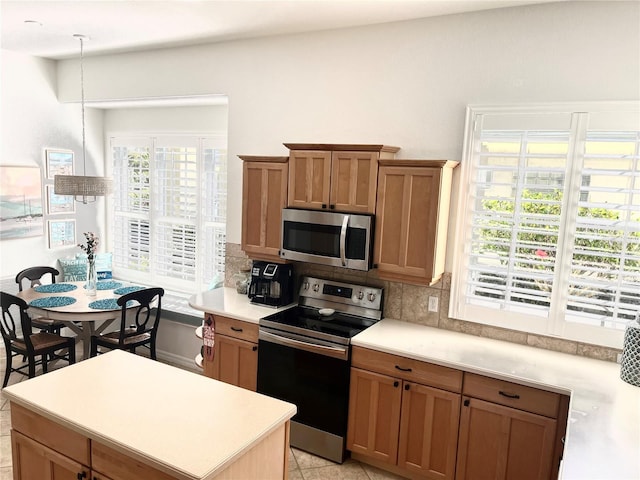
60,301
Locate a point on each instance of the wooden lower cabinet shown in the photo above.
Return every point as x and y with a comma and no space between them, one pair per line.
462,425
403,424
33,460
235,352
498,442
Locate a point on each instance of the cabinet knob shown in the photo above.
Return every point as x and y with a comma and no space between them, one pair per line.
81,475
254,348
332,207
396,383
324,205
407,386
466,402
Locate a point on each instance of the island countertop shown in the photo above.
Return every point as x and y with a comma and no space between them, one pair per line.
159,414
226,301
603,432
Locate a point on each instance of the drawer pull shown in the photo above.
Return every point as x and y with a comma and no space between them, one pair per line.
236,329
395,384
403,369
509,395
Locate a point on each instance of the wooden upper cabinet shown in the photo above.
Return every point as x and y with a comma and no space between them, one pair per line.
412,216
336,177
309,179
264,195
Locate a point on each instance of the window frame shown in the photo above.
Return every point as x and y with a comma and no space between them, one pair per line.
554,324
156,219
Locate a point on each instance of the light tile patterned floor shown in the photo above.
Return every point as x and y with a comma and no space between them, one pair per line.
302,465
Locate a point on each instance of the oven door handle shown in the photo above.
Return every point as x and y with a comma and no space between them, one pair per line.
343,240
341,353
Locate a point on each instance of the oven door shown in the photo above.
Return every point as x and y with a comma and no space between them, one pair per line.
314,377
328,238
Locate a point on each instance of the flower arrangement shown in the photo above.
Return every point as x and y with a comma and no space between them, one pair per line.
92,244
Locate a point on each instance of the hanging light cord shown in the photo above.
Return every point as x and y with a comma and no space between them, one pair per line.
84,143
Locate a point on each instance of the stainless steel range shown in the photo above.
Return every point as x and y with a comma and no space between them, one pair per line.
304,358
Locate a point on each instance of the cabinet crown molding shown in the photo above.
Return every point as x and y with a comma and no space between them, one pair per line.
406,162
263,158
341,147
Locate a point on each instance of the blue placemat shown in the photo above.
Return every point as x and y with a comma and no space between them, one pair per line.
108,285
48,302
125,290
105,304
55,288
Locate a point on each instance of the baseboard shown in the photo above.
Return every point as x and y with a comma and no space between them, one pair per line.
178,361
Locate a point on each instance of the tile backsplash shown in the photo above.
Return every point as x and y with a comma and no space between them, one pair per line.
409,303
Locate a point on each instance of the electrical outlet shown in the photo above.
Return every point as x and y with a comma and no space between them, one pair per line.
433,304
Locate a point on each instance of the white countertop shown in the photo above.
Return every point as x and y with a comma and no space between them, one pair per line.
226,301
185,424
603,434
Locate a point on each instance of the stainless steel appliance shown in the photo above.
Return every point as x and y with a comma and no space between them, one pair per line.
271,284
304,358
328,238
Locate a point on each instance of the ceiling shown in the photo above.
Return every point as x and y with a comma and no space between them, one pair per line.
45,28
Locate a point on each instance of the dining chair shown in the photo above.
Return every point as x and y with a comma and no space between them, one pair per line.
35,276
145,307
23,342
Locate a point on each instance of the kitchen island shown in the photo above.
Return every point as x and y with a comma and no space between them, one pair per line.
123,416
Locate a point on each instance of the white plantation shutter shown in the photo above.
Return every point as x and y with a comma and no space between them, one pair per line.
548,233
166,189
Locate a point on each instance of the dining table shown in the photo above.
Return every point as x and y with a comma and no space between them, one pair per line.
84,313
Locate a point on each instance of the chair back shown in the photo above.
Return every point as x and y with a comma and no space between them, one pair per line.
35,274
145,321
12,305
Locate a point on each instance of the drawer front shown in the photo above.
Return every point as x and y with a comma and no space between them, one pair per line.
236,328
407,369
52,434
512,395
118,465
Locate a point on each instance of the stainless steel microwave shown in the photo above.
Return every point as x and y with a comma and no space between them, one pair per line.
328,238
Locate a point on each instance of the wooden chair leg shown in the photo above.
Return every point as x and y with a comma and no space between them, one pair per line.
45,363
8,372
32,366
72,352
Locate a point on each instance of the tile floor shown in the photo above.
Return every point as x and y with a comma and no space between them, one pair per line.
302,465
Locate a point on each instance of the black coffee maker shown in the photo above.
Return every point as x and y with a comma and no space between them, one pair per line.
271,284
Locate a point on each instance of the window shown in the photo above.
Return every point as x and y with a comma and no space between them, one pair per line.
170,210
548,230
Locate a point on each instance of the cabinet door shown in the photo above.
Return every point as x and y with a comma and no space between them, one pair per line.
32,460
374,415
264,195
309,179
354,181
499,442
406,222
236,362
429,431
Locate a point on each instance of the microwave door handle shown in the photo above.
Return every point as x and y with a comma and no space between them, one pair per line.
343,240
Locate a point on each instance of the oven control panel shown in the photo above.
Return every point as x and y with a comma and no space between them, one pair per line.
343,293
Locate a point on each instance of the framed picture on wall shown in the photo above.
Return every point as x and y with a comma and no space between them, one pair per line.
59,203
20,202
62,233
59,162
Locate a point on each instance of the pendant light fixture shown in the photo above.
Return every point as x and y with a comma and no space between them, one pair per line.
83,188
